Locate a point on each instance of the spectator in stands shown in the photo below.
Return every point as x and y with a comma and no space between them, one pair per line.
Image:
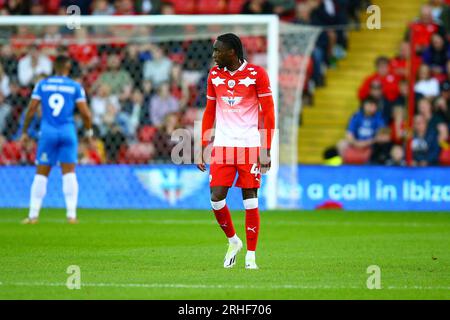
8,60
445,91
162,104
424,28
383,106
399,64
398,125
388,81
444,18
124,7
133,63
113,140
435,125
442,109
402,98
84,5
132,113
102,8
84,51
5,109
157,70
100,102
116,77
364,125
437,6
178,87
167,8
18,7
257,7
148,6
283,8
327,13
424,144
381,147
88,153
319,54
437,53
426,86
32,66
397,156
163,137
4,83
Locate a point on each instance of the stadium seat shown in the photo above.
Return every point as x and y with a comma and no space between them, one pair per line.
211,7
444,158
357,155
235,6
11,152
139,153
184,6
146,133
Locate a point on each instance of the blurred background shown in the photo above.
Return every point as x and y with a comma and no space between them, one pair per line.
363,113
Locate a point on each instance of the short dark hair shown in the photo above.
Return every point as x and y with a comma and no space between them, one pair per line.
369,100
233,42
60,62
381,59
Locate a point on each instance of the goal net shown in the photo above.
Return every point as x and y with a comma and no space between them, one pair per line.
145,77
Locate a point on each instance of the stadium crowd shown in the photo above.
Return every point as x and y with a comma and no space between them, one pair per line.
139,90
379,132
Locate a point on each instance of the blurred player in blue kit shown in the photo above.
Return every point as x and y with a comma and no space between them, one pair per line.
58,96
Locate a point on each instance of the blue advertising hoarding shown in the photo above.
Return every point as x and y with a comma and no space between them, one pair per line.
184,186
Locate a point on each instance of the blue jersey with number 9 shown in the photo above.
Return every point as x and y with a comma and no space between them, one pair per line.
58,139
58,96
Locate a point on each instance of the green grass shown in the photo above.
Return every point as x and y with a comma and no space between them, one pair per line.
179,255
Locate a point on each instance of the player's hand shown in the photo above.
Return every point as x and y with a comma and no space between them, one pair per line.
201,165
265,161
24,138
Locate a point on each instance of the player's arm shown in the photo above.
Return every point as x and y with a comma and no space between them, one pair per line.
268,114
86,117
209,117
84,112
31,111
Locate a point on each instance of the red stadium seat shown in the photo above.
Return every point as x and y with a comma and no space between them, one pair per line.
146,133
183,6
444,158
357,155
212,7
235,6
139,153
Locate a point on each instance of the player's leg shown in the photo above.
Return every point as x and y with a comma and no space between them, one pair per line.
45,159
221,179
252,221
68,158
37,193
70,191
249,180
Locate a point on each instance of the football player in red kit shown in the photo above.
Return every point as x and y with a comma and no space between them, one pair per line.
237,94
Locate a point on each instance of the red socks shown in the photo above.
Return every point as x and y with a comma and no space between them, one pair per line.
251,223
223,217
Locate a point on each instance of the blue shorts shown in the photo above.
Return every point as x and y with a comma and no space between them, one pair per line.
57,145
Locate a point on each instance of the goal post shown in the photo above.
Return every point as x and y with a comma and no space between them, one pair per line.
280,41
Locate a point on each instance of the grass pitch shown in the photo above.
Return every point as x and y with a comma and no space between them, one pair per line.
128,254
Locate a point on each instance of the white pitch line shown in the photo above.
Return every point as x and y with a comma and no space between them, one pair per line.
219,286
271,223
